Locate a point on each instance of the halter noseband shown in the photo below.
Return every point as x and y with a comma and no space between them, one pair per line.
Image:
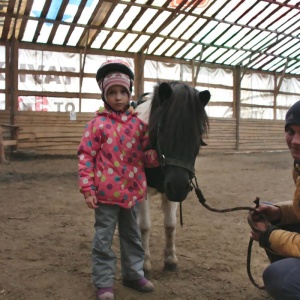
171,161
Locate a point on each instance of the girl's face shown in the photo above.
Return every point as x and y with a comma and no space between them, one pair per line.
292,137
117,97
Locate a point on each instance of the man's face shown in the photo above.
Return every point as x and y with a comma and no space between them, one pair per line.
292,137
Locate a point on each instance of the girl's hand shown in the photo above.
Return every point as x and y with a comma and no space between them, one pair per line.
91,202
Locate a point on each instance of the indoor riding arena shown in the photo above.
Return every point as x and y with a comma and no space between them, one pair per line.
246,53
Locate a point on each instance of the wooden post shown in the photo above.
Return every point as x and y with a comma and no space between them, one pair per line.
237,103
139,61
2,153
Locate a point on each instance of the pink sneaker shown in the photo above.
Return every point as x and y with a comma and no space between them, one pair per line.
105,294
142,285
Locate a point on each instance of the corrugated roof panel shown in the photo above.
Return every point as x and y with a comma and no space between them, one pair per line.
288,23
281,41
218,53
216,5
124,45
252,38
247,60
275,64
193,28
179,30
232,31
166,44
252,13
263,14
127,20
261,60
227,35
162,17
44,33
217,31
295,54
292,28
275,15
100,39
60,35
194,53
30,31
37,8
174,24
225,56
294,69
136,47
174,48
285,46
154,44
240,35
110,44
266,39
184,50
70,12
75,36
290,51
207,52
139,1
239,10
204,31
242,59
234,57
159,3
281,22
115,15
144,19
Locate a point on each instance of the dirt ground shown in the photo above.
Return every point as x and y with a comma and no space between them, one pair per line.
46,231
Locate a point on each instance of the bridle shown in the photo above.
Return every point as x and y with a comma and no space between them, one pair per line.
194,185
164,161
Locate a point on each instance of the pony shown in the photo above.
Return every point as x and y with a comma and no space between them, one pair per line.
177,122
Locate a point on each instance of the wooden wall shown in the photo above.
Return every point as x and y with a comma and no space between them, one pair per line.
4,117
54,133
50,133
254,135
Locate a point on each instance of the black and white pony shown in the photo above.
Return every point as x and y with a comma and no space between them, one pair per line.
177,121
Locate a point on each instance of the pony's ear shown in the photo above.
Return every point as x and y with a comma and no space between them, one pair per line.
164,91
204,97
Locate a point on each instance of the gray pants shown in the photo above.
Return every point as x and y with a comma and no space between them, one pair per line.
103,257
282,276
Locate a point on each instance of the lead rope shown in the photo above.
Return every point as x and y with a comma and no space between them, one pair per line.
202,200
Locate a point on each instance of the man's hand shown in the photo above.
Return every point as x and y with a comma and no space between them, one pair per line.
259,220
272,212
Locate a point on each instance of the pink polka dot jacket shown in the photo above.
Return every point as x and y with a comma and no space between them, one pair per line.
112,158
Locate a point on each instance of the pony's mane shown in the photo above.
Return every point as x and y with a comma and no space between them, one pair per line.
182,115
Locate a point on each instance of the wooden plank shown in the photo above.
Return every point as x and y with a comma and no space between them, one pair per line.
9,143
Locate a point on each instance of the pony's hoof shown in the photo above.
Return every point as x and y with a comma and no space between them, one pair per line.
170,267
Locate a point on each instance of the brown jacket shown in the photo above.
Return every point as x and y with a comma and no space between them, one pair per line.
284,242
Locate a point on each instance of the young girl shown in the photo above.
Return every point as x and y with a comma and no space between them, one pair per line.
112,157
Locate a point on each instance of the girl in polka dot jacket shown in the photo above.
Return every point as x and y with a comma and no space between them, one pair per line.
112,156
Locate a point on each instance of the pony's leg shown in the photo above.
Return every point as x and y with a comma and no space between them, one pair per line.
144,222
169,209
